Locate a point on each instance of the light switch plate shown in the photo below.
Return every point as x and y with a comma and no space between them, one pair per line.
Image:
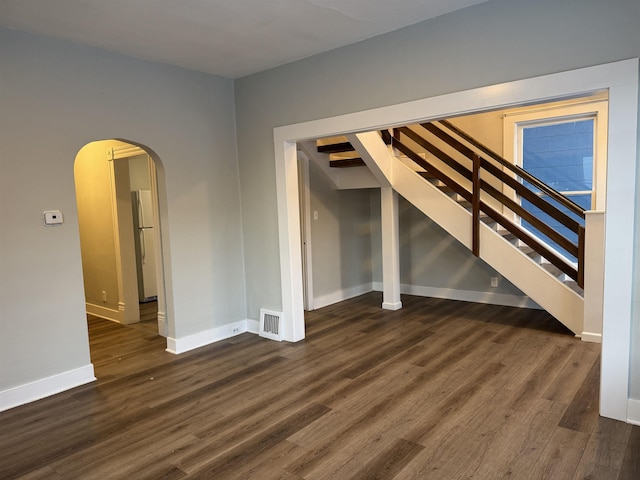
53,217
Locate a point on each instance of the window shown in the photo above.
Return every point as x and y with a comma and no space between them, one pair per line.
564,147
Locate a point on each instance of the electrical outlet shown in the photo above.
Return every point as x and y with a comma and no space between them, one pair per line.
104,295
494,282
235,330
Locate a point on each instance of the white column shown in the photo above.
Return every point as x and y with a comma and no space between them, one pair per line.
593,276
390,250
289,240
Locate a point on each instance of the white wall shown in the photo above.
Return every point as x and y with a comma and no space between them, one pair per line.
496,42
55,97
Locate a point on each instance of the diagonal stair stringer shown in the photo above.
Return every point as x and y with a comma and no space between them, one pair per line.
542,287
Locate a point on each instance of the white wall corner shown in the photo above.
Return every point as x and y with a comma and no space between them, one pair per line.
206,337
45,387
633,411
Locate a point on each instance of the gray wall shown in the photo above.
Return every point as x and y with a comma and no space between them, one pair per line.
340,237
495,42
55,97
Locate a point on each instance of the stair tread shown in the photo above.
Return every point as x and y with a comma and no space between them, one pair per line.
530,252
573,285
336,148
552,269
347,163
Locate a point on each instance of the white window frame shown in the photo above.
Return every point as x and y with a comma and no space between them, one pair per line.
516,121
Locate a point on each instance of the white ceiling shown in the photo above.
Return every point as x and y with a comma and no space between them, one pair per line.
230,38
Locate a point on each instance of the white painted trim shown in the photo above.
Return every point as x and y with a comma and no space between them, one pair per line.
391,306
44,387
162,324
289,240
594,110
305,209
591,337
633,411
619,78
342,294
390,226
206,337
619,239
107,313
253,326
125,151
594,272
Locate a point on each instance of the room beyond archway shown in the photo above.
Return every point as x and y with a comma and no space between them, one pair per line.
117,198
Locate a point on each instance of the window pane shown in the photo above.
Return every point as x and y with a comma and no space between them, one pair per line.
561,155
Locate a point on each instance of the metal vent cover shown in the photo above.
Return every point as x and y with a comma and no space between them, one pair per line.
271,324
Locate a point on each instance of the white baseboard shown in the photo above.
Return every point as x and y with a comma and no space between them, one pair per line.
591,337
391,305
200,339
103,312
340,295
465,295
633,411
30,392
253,326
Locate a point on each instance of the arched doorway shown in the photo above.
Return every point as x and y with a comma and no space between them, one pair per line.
119,221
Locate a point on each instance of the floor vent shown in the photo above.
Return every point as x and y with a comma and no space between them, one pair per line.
271,324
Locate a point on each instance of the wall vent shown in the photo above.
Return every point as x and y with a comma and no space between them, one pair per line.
271,324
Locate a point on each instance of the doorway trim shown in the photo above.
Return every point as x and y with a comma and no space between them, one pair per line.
621,81
133,150
305,231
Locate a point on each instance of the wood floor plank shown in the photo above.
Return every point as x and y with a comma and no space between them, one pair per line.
630,468
438,390
385,466
259,444
605,451
582,413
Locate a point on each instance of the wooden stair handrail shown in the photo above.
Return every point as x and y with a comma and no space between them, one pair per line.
473,196
557,196
519,188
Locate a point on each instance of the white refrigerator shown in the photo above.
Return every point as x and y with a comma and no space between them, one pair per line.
145,245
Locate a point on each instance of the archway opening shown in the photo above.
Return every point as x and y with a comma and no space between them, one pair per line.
120,235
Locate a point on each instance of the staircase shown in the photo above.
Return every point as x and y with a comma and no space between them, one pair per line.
472,193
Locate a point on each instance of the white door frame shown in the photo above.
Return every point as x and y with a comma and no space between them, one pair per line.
305,230
621,81
127,152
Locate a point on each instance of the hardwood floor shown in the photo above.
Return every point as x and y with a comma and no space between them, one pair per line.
437,390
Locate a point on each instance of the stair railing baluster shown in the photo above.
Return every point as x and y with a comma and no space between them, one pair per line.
475,205
581,242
